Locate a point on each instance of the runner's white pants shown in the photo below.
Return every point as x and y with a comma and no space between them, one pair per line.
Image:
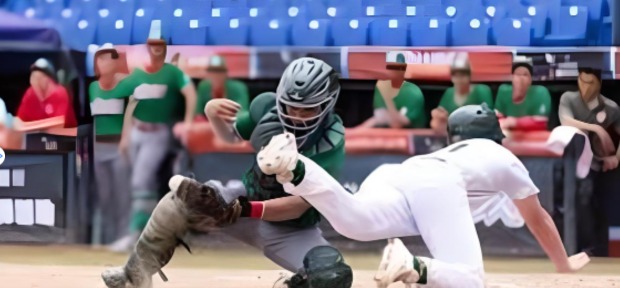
424,197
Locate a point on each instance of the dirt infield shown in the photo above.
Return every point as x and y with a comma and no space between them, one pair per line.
64,267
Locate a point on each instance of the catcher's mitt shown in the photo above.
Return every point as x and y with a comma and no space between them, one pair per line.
205,207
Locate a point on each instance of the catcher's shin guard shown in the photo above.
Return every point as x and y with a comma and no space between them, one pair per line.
190,206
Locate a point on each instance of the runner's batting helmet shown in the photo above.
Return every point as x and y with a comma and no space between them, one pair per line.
474,121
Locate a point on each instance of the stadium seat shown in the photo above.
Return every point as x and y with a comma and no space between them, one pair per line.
538,19
350,32
189,31
311,10
456,8
229,12
191,8
429,32
469,32
512,32
377,3
89,8
118,5
604,38
385,11
49,8
229,32
572,27
269,32
260,3
342,9
229,3
113,27
311,33
595,16
78,32
388,32
424,8
496,9
19,6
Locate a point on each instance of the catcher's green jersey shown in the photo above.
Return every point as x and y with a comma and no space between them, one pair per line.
478,94
537,102
108,107
159,94
259,124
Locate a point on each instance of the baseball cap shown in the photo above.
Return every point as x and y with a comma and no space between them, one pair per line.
523,61
217,64
45,66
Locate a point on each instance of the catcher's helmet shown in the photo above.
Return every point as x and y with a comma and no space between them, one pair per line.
474,121
307,83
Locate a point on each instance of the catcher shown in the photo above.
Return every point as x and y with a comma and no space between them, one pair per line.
260,213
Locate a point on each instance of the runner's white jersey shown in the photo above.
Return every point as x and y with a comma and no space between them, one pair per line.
488,169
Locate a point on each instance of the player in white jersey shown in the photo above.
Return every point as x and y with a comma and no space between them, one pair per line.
429,195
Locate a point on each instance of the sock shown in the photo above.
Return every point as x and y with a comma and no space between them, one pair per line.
420,266
139,220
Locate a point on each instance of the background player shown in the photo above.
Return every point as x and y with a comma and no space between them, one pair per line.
283,226
432,193
107,104
154,107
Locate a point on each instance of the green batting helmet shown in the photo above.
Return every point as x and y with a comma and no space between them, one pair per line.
474,121
324,267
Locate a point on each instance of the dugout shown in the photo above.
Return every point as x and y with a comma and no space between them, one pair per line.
38,181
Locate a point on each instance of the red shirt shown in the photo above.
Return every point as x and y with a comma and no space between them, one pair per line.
56,104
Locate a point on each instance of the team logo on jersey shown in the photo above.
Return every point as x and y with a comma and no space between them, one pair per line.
49,109
2,156
601,116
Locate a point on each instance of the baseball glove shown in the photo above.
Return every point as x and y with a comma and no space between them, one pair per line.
205,207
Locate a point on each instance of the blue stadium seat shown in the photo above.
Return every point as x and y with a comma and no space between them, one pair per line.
388,32
469,32
269,32
595,16
604,38
119,5
89,8
113,27
261,3
229,12
349,9
229,3
429,32
313,10
572,27
229,32
311,33
350,32
379,2
496,9
456,8
191,8
19,6
425,8
189,31
385,11
512,32
538,15
49,8
78,32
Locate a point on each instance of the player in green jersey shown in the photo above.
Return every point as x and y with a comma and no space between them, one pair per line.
108,97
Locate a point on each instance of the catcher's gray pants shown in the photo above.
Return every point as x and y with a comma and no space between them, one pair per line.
150,144
112,173
284,245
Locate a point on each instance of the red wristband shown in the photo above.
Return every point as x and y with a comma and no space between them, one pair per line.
257,209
